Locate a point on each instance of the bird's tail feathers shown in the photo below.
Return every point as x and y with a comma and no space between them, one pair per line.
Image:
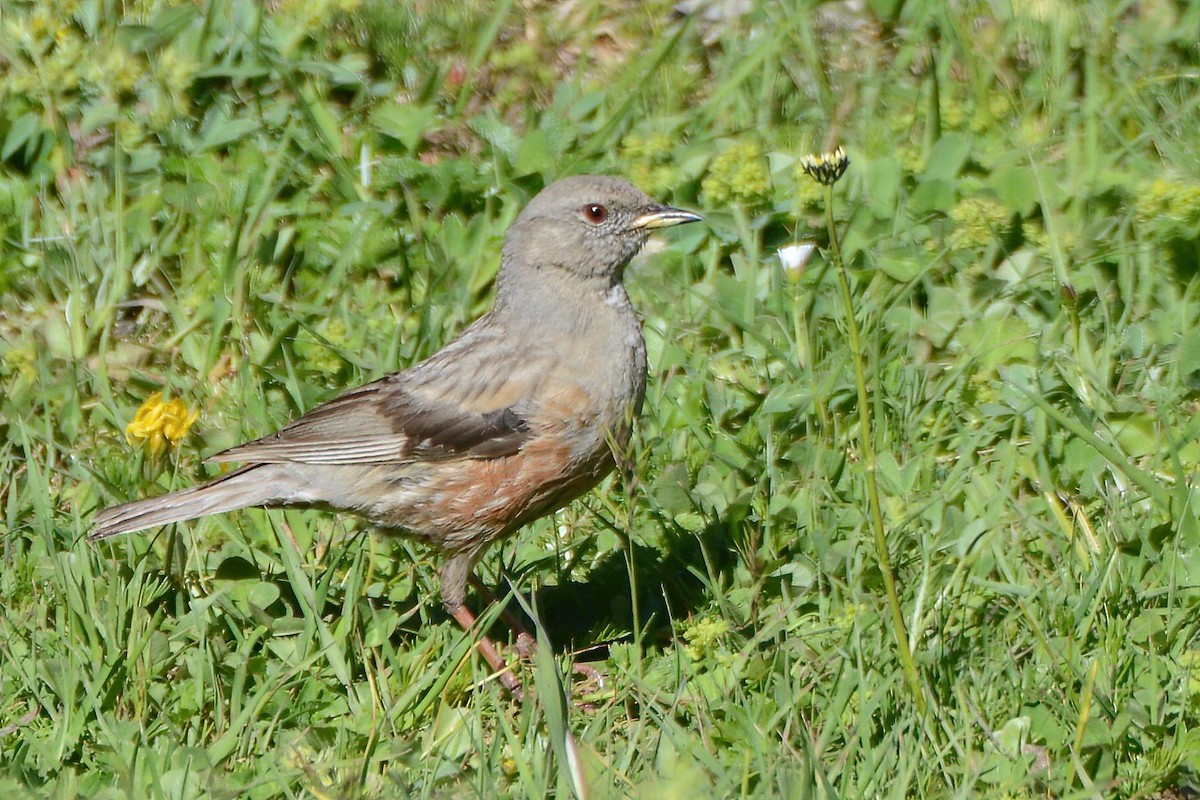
239,489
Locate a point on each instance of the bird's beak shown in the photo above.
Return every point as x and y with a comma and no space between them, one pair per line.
663,217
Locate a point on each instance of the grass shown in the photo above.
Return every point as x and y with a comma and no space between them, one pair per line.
251,209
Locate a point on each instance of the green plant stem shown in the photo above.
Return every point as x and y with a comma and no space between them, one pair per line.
867,439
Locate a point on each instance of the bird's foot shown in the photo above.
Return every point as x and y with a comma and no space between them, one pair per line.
487,649
525,646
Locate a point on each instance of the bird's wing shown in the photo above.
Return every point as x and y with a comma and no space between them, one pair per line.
472,399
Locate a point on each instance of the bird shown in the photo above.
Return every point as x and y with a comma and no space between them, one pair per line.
514,419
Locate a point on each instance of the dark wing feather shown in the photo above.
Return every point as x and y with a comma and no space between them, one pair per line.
463,402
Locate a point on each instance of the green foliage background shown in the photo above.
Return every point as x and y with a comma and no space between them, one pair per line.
253,205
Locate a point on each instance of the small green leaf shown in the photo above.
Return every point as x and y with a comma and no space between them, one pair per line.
408,123
1188,355
935,195
236,568
222,132
883,179
496,133
899,268
897,480
793,398
1016,188
533,155
947,157
26,127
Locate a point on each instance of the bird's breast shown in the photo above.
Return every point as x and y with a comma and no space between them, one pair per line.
604,367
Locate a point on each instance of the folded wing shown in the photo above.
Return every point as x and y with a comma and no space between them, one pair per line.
464,402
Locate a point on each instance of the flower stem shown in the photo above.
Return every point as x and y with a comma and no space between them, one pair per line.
867,443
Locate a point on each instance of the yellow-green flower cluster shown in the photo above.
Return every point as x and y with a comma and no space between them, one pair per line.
173,71
46,50
115,70
1172,201
703,637
19,363
911,157
843,620
648,162
738,176
300,17
977,222
953,112
160,426
810,195
999,107
1034,232
319,351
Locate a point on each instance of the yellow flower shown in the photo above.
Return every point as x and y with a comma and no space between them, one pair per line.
159,426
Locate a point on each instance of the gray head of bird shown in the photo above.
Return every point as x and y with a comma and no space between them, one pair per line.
589,226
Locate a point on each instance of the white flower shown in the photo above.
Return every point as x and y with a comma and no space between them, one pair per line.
795,256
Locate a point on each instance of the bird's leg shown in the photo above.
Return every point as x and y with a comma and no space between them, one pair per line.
487,649
454,574
526,644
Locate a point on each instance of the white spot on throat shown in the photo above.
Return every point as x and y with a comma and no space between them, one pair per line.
617,296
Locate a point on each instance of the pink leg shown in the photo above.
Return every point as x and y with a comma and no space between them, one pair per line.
488,650
526,644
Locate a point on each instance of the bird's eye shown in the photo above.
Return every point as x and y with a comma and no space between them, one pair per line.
595,213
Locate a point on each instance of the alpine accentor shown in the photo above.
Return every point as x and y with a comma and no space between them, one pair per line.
510,421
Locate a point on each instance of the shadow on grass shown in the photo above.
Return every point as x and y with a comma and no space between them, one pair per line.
638,587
